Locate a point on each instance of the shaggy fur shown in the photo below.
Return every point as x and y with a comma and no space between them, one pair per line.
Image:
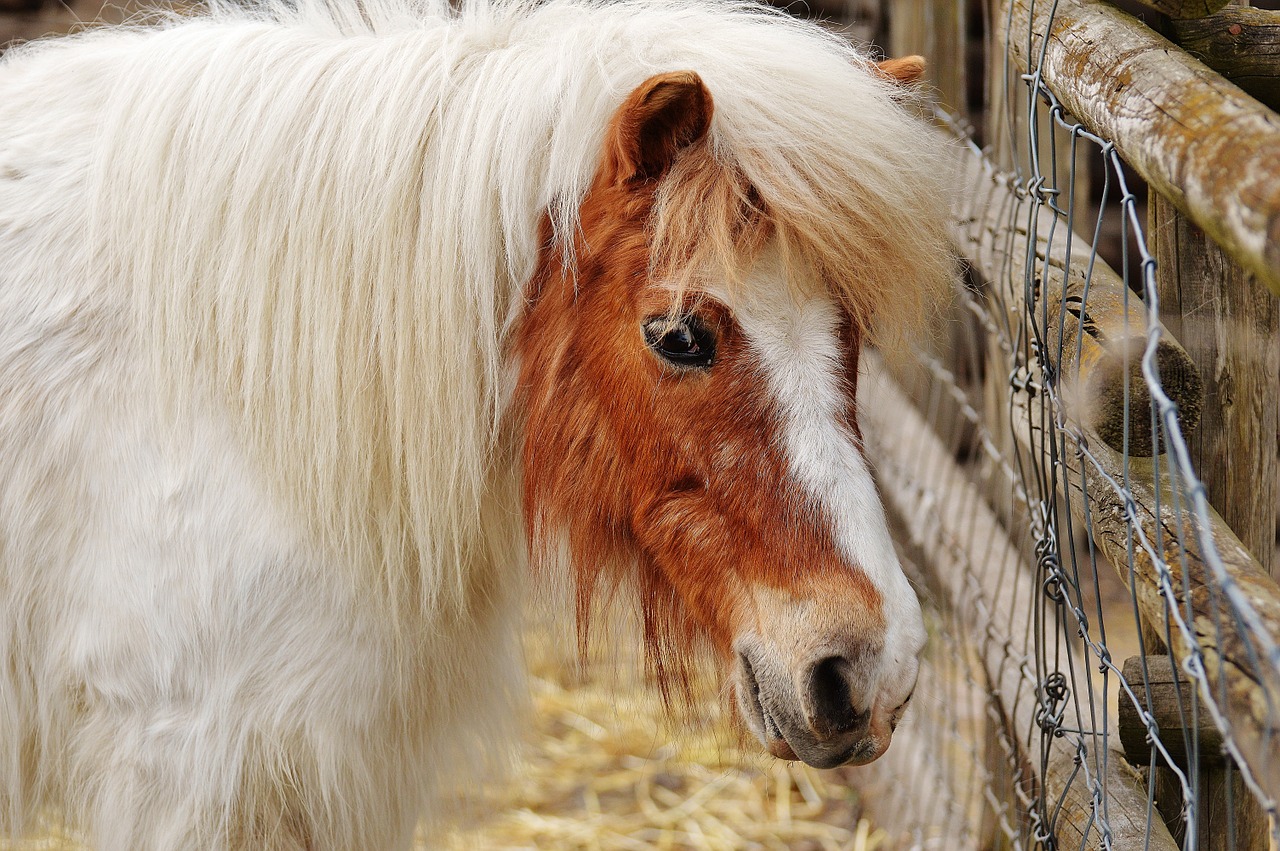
261,552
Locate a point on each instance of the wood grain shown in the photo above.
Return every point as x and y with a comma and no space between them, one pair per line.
1240,43
1231,328
1095,331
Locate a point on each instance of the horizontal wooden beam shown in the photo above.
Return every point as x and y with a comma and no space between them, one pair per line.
993,592
1095,330
1242,44
1166,695
1196,138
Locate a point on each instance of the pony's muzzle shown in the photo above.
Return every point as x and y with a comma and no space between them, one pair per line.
820,711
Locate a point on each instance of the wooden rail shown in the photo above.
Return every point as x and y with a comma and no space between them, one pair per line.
1196,138
1214,151
1243,683
1165,694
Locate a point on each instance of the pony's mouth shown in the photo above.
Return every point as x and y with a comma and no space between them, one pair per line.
785,734
755,714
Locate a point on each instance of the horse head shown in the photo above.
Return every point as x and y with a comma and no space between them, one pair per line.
688,374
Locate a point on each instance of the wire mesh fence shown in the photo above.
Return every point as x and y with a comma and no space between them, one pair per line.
1104,670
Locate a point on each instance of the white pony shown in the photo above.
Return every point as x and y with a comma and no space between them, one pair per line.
316,321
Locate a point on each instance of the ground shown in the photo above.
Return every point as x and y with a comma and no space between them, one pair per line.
604,768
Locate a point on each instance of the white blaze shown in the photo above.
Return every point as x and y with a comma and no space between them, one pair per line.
797,343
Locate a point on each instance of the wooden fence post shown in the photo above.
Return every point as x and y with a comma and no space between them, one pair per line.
934,29
1230,326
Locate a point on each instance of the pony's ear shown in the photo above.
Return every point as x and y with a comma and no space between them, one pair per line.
664,115
905,70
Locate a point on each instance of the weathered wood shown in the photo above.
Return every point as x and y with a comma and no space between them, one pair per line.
1227,818
935,31
1222,824
1015,119
1242,44
1245,683
1196,138
1167,695
1231,815
1232,329
1096,331
993,592
1182,9
1166,786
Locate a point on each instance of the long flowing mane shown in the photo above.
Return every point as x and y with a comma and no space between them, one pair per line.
326,213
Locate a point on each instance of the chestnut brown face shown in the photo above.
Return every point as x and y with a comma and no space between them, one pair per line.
705,444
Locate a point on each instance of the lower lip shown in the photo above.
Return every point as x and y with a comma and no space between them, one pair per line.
777,745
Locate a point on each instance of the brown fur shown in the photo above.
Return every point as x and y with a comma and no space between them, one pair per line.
673,475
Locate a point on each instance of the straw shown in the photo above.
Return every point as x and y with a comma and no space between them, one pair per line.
605,768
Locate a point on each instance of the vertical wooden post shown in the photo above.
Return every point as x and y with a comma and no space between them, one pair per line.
934,29
1230,325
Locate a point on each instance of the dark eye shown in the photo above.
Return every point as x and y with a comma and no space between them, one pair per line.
681,341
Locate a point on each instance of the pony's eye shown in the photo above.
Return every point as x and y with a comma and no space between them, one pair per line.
681,341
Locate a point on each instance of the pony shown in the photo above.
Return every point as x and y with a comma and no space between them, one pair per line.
326,325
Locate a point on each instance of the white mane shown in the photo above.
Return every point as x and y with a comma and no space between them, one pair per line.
328,212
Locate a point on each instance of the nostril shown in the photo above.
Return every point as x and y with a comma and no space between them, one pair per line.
829,698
